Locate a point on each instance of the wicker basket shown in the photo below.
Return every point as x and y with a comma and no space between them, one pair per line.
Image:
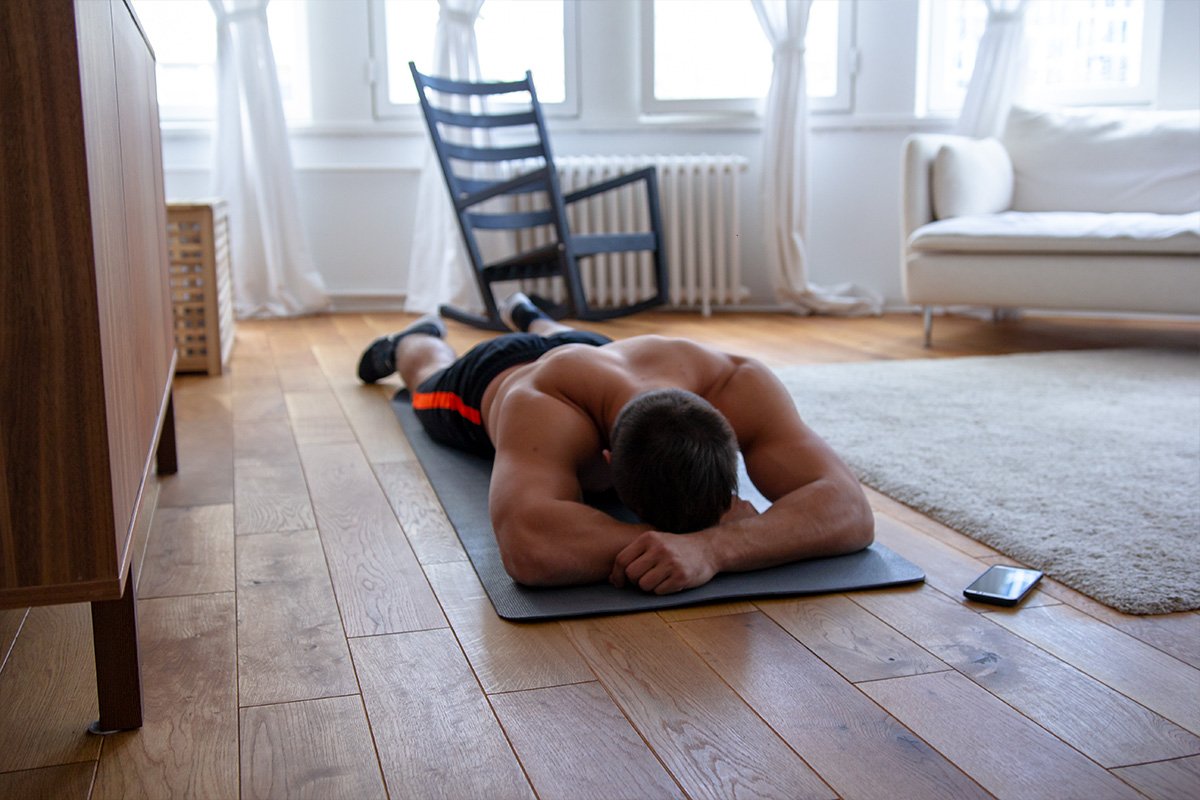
201,291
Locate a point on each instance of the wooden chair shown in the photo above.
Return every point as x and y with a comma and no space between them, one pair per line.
510,174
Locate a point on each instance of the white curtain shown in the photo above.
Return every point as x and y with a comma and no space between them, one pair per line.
273,270
999,71
439,270
784,170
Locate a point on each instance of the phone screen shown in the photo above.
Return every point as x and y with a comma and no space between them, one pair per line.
1002,584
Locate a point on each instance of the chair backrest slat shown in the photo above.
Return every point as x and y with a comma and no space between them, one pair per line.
482,120
462,87
468,153
473,185
511,221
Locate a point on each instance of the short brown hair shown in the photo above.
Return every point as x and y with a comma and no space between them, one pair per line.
674,460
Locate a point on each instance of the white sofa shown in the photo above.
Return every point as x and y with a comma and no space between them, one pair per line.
1068,210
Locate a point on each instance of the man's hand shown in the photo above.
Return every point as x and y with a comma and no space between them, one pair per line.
665,562
671,562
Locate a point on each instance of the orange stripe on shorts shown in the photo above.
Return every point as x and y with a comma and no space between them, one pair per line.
448,401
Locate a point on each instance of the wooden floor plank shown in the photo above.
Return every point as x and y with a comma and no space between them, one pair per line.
1007,754
290,341
204,438
189,551
252,371
323,430
506,656
48,691
310,404
1095,719
595,753
902,513
946,568
264,443
1158,681
710,741
850,639
435,732
203,383
707,610
365,407
270,491
1175,634
64,782
1178,779
314,750
188,744
301,378
416,506
379,584
821,715
291,645
271,497
258,406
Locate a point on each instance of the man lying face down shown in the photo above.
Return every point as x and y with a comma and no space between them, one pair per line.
660,420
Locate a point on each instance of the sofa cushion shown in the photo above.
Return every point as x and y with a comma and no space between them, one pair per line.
1062,232
971,176
1104,160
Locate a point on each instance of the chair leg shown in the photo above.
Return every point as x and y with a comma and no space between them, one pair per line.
928,326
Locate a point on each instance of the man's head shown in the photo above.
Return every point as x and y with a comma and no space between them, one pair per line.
674,460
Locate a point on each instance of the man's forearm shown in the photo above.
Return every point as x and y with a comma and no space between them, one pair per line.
823,518
564,543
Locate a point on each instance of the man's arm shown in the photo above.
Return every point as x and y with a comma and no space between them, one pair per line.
818,507
547,535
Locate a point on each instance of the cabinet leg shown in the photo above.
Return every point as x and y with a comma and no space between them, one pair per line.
168,463
118,665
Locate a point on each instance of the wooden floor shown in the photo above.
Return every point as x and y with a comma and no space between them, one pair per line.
310,627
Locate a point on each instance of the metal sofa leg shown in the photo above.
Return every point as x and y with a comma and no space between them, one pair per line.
928,326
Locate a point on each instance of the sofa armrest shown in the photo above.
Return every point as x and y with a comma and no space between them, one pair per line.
916,180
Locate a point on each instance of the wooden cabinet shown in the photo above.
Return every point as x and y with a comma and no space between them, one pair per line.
87,354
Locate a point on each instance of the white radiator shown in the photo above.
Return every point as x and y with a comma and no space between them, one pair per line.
699,197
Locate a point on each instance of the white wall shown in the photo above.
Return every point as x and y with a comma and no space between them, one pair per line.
358,176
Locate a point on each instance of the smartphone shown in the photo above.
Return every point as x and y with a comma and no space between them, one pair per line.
1002,586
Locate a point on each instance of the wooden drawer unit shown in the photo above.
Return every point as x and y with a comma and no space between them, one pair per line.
201,287
87,355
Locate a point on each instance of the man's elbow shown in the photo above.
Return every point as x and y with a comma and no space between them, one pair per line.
860,524
525,561
852,522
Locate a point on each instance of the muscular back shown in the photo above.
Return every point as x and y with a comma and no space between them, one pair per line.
597,381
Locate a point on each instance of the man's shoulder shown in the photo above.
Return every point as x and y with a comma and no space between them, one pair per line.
654,346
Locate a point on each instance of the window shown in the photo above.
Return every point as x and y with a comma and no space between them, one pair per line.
183,34
714,56
1080,52
510,38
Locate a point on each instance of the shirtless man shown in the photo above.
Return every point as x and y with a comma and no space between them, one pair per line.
566,411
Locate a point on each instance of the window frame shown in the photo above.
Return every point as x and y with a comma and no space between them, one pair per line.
298,112
384,109
1144,94
842,102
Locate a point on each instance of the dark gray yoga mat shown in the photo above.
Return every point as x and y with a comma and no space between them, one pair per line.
461,482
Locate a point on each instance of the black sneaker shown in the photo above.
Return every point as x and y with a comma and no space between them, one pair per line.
379,359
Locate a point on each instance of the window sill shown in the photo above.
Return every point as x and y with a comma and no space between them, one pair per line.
745,122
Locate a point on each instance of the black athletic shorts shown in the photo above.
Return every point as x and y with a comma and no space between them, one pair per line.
447,403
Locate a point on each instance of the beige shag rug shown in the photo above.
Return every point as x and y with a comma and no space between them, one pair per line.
1085,465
